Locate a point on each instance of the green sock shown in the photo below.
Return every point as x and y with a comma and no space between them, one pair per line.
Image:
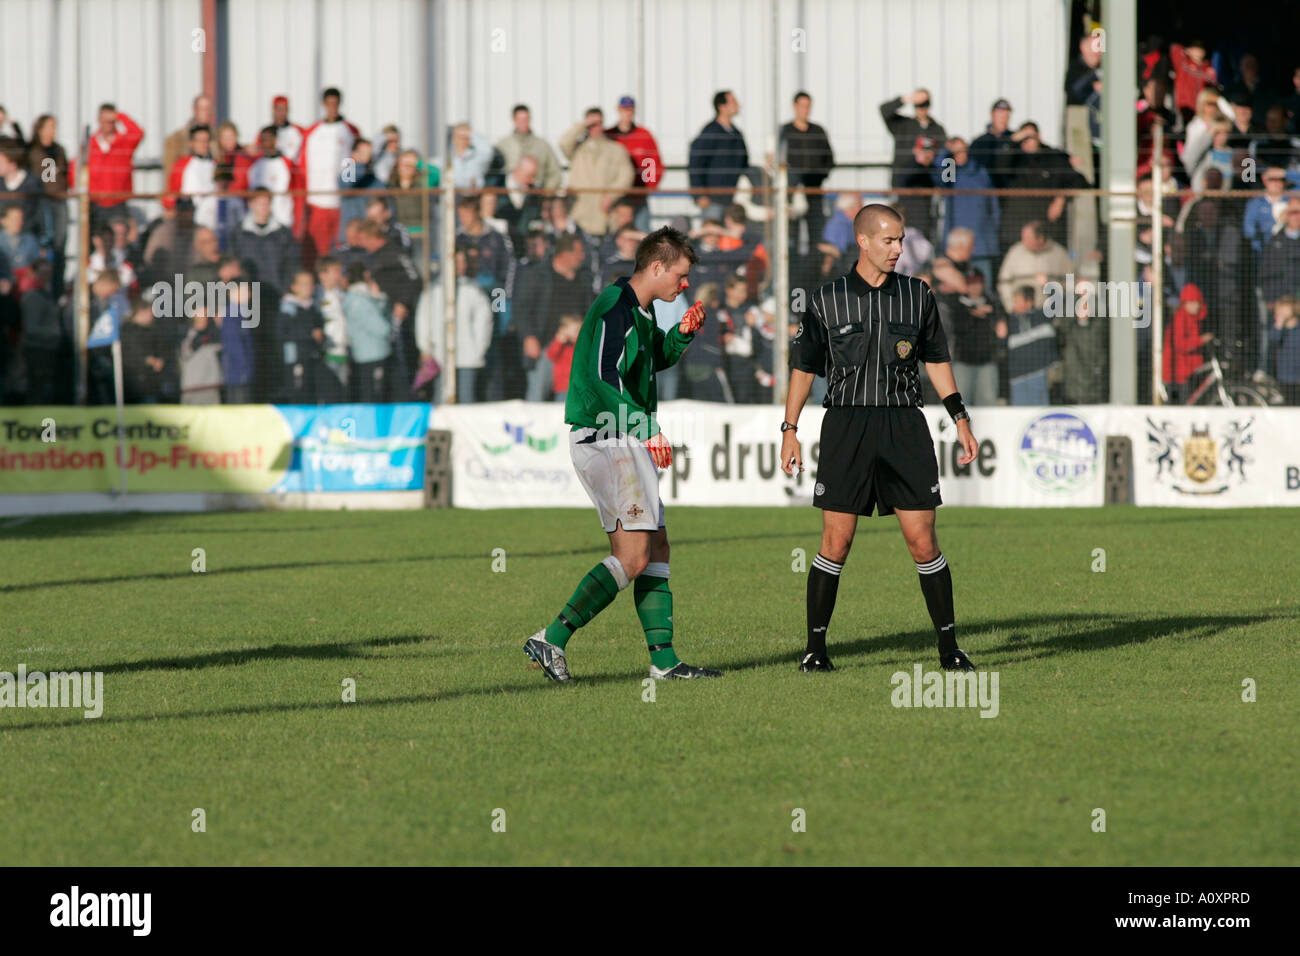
654,605
595,592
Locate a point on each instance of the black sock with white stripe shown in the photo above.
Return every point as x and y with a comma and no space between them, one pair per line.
823,585
936,585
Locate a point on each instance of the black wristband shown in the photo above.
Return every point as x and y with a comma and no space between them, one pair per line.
954,405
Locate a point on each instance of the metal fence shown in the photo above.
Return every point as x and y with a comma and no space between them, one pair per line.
235,297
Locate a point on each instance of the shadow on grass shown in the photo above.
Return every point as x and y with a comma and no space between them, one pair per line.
61,527
249,655
1018,639
1015,643
595,548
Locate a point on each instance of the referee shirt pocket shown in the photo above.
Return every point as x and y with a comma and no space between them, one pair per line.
902,343
848,345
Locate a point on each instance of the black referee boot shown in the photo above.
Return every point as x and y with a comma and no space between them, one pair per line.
816,661
956,661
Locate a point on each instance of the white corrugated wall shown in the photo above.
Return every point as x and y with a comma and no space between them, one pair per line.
559,56
69,56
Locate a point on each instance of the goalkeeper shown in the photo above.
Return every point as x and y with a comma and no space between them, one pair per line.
616,448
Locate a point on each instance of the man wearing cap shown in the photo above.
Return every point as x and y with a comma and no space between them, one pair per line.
994,148
288,136
906,129
644,151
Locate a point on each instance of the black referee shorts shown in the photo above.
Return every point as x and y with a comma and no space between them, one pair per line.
874,457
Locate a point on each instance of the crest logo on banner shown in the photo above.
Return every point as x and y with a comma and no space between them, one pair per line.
1201,463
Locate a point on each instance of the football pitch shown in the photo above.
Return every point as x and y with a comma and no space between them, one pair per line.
223,692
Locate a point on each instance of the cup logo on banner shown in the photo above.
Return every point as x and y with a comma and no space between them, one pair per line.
1200,463
1058,452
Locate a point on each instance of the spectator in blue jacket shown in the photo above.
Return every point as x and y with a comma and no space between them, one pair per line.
471,157
980,214
237,359
105,296
718,156
1279,263
358,176
20,247
1264,213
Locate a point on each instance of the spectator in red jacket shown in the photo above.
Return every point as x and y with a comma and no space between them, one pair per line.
110,164
641,146
1183,341
1192,73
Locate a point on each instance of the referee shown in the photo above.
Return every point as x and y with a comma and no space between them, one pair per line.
867,332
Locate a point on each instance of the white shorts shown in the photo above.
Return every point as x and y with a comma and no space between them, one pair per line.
621,480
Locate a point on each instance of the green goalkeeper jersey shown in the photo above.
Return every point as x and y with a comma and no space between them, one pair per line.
619,350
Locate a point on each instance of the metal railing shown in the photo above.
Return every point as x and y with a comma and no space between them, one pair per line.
1239,311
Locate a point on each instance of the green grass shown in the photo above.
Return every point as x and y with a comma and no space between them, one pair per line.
1119,690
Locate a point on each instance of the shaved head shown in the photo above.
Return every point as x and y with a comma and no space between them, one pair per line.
871,219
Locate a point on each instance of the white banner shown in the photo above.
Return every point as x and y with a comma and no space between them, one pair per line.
516,454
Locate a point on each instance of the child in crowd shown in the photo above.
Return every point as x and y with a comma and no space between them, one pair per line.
560,352
144,357
1284,342
201,361
299,335
1183,340
330,294
369,332
746,342
704,371
1031,349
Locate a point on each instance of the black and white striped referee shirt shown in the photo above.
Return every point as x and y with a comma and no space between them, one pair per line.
868,341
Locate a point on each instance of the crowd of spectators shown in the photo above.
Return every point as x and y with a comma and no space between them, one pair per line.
336,277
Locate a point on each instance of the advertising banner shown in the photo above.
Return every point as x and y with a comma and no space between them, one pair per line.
1214,457
355,447
516,454
214,448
